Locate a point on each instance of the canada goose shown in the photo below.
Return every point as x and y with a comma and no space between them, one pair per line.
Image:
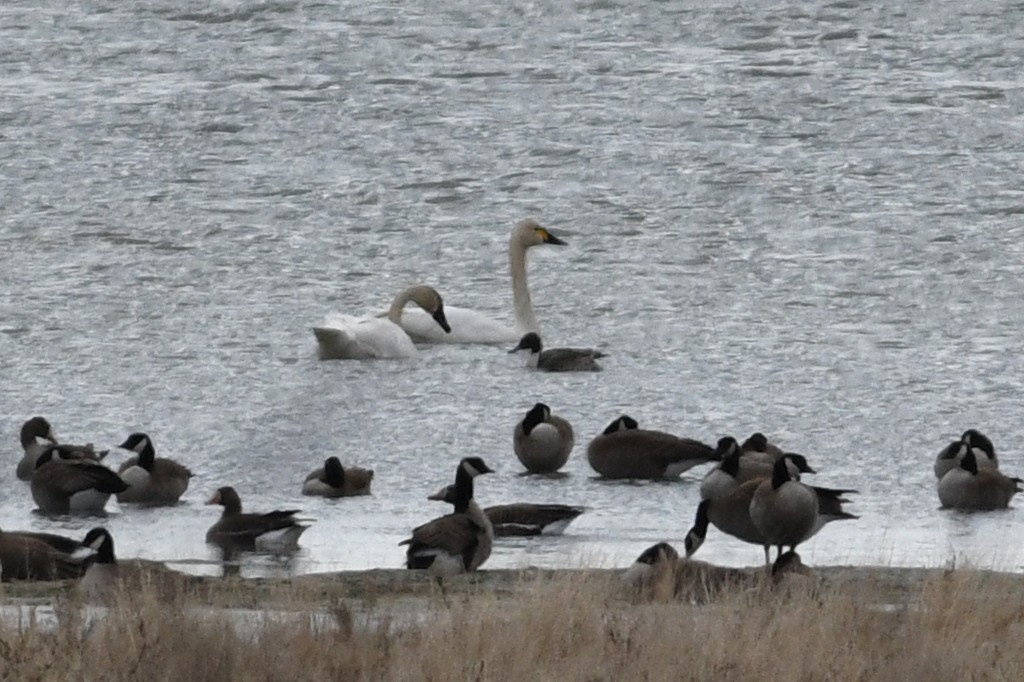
654,563
60,486
783,510
738,466
36,436
276,531
107,578
151,480
732,512
971,487
624,452
758,443
521,518
351,337
38,556
542,441
334,480
984,453
558,359
471,326
458,542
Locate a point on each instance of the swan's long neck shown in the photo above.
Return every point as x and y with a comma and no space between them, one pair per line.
397,305
525,319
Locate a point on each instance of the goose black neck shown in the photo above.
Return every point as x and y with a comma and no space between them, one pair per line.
463,490
334,473
534,417
147,456
731,463
780,474
105,554
700,521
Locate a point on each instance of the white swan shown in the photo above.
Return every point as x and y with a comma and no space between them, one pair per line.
349,337
471,326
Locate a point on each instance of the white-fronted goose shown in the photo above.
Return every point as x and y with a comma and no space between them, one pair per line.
458,542
60,486
521,518
276,531
542,441
151,480
624,452
558,359
334,480
970,487
949,457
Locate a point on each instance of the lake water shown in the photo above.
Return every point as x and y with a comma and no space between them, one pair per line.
799,218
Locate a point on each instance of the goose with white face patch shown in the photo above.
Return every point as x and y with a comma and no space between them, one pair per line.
38,556
351,337
471,326
107,580
739,465
972,487
62,486
732,512
275,532
542,441
787,512
334,480
625,451
520,519
37,436
558,359
949,457
151,480
458,542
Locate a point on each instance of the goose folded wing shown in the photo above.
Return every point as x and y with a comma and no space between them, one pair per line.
73,476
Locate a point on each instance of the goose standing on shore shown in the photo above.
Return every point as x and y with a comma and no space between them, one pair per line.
969,486
542,441
739,465
558,359
276,531
334,480
151,480
520,519
61,486
471,326
350,337
37,435
625,451
458,542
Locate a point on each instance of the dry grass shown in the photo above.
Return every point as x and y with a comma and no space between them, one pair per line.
951,625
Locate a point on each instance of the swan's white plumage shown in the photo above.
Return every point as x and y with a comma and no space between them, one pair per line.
468,326
472,326
351,337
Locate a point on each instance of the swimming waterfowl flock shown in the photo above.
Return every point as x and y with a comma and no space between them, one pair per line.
754,492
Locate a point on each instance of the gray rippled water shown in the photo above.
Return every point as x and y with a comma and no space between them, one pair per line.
799,218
